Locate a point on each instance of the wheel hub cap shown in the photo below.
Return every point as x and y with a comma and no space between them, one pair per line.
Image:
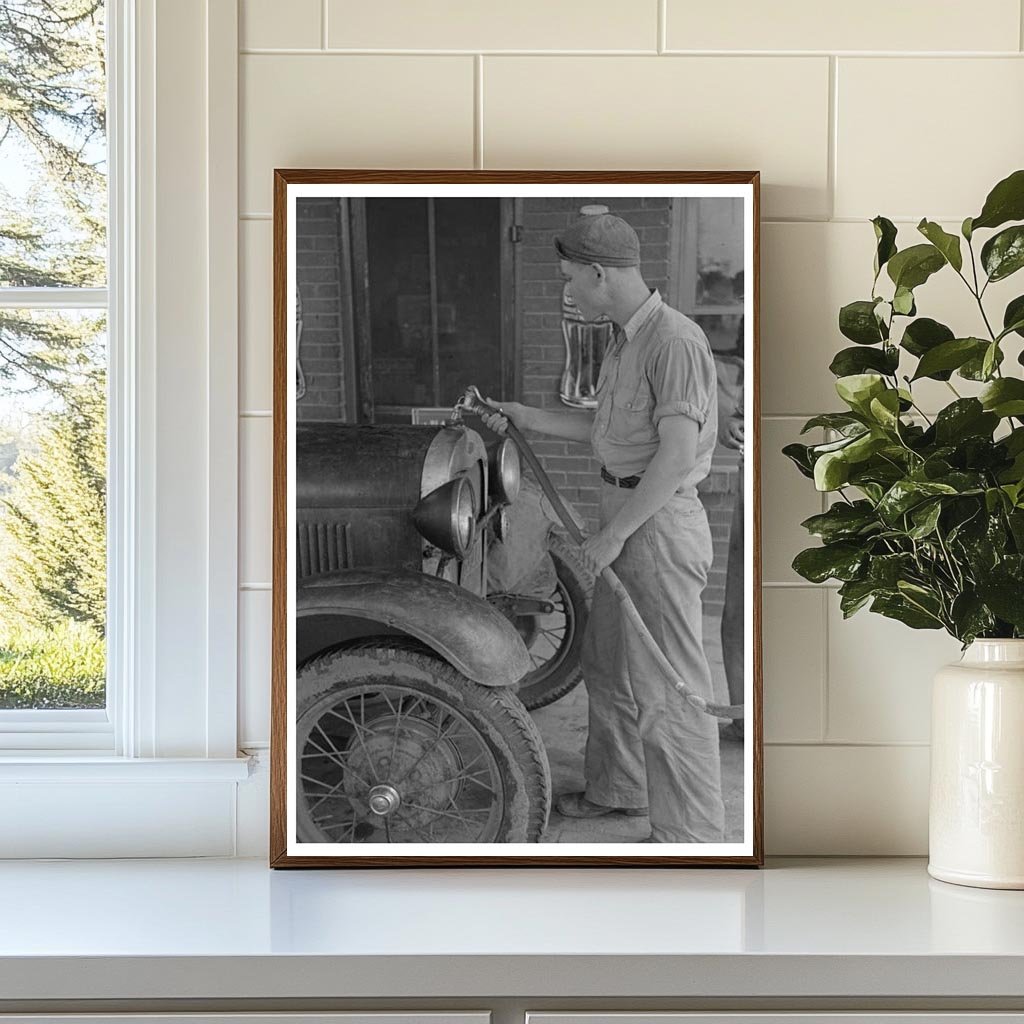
384,800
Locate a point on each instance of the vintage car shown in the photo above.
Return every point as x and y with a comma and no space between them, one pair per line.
408,656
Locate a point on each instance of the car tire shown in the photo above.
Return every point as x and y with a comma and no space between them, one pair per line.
554,680
425,714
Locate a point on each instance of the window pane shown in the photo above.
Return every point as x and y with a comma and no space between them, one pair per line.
719,252
400,326
469,295
52,509
463,256
53,149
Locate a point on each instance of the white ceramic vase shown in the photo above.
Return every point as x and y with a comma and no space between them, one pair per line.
976,814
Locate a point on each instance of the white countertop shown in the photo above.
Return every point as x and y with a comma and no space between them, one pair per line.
233,929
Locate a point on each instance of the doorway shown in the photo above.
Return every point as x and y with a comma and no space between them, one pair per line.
432,302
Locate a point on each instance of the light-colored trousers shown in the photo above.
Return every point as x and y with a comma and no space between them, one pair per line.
646,746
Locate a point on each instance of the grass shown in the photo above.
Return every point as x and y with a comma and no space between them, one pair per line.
60,667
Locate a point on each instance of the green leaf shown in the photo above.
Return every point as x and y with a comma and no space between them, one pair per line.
925,518
1003,254
949,355
854,594
903,302
817,450
841,421
885,236
863,447
966,417
831,471
947,244
799,455
982,538
1014,441
1004,397
924,334
857,321
1012,476
872,491
840,561
912,267
1016,521
964,482
1005,202
995,499
858,389
965,229
971,617
850,361
887,570
843,521
906,494
1013,317
979,452
885,409
974,368
878,471
990,361
1005,596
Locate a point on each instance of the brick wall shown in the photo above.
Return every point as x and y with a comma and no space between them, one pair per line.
570,466
317,276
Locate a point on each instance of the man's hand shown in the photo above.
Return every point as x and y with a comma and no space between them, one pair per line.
601,550
734,430
498,421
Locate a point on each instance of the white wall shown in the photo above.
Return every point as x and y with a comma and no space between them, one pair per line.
906,109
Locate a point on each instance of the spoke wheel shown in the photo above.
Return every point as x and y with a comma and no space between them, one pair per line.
394,746
554,640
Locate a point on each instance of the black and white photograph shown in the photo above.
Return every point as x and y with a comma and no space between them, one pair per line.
516,572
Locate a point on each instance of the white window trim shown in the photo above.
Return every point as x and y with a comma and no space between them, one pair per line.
173,434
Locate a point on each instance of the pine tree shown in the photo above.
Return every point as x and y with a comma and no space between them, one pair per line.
53,234
53,119
53,521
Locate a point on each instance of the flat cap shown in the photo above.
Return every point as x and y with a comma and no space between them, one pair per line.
599,238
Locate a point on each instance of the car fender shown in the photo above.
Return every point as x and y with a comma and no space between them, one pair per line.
460,626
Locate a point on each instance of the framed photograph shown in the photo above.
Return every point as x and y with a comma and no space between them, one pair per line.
516,560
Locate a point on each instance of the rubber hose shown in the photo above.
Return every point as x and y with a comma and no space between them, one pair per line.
613,581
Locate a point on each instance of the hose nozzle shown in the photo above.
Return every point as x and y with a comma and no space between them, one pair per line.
472,402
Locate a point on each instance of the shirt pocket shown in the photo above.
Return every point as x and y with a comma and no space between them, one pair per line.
632,409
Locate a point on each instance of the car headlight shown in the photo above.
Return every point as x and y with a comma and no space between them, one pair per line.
505,471
446,517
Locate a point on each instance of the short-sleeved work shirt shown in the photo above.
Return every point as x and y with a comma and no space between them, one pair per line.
660,364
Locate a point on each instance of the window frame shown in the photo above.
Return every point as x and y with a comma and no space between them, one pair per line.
173,434
74,729
354,242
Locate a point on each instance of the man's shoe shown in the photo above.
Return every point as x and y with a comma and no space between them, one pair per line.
576,805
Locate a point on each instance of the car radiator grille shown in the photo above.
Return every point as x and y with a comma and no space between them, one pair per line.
322,548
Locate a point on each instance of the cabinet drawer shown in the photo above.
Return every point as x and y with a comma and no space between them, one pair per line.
853,1017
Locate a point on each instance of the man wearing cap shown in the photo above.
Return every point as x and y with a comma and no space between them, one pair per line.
654,429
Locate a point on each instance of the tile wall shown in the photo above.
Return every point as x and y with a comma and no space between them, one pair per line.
906,109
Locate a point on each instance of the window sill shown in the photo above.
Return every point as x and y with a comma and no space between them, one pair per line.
76,806
78,767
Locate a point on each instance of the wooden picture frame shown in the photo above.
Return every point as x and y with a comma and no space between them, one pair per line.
413,285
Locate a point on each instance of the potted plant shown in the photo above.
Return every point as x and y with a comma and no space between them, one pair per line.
927,521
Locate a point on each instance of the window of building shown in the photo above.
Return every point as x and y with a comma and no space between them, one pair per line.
53,361
403,302
708,285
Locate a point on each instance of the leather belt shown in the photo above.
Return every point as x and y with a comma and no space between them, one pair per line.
628,482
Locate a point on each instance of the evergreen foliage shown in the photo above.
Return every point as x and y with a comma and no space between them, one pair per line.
53,540
53,234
